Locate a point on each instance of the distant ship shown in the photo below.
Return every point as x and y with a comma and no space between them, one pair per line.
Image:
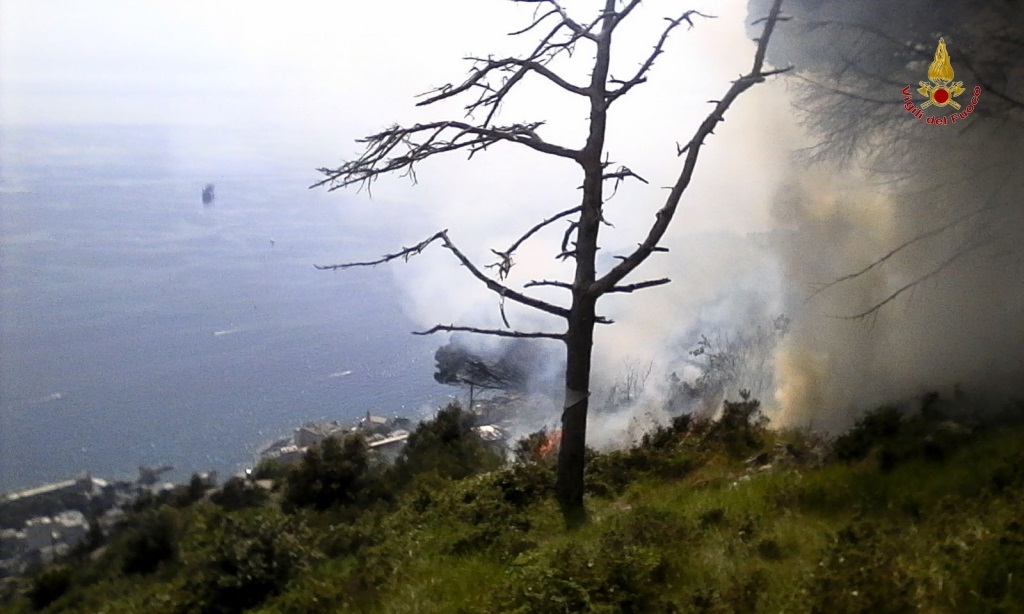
208,195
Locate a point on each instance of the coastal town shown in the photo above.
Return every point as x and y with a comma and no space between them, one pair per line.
42,524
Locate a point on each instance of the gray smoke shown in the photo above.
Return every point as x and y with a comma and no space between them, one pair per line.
924,221
762,229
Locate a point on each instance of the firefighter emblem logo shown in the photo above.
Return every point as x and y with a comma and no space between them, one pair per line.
940,91
940,87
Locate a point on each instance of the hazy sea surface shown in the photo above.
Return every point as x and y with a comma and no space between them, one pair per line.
139,327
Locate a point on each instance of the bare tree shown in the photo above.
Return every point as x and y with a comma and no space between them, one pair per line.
399,149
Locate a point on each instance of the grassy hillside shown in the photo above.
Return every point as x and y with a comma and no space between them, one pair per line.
900,514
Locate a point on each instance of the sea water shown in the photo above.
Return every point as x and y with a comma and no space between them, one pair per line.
138,326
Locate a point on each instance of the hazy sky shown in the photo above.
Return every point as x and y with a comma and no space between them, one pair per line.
310,66
317,75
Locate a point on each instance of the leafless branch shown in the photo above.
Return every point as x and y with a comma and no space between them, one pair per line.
505,264
399,149
513,70
959,253
988,207
664,216
626,10
519,66
566,20
566,252
640,285
546,282
880,261
641,73
620,175
451,328
492,285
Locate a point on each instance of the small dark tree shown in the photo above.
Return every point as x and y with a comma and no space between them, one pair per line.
400,149
151,541
334,473
446,446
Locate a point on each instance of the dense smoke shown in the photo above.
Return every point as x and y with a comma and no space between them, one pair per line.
923,221
920,222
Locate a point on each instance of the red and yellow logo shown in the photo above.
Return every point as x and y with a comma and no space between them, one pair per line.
940,90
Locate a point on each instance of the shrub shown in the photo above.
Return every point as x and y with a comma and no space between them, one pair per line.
236,561
448,446
741,427
337,472
269,469
875,430
238,494
861,573
993,582
151,541
618,573
50,585
533,448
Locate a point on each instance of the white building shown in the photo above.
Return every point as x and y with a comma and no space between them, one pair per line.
40,533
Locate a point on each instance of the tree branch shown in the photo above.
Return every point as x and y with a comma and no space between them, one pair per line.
396,149
988,207
503,66
505,264
664,216
577,29
620,175
908,286
494,286
546,282
640,285
641,74
921,237
451,328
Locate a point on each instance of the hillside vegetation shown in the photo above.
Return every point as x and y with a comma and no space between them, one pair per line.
914,509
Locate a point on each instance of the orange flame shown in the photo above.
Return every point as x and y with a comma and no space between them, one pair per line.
550,444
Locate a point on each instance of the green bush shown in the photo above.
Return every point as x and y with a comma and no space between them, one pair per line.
49,585
335,473
622,571
861,572
876,429
236,561
151,541
269,469
239,494
993,582
741,427
447,446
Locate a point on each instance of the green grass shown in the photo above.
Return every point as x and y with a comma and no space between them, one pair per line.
680,526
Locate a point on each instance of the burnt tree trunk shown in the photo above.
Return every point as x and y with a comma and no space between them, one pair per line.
579,339
579,344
